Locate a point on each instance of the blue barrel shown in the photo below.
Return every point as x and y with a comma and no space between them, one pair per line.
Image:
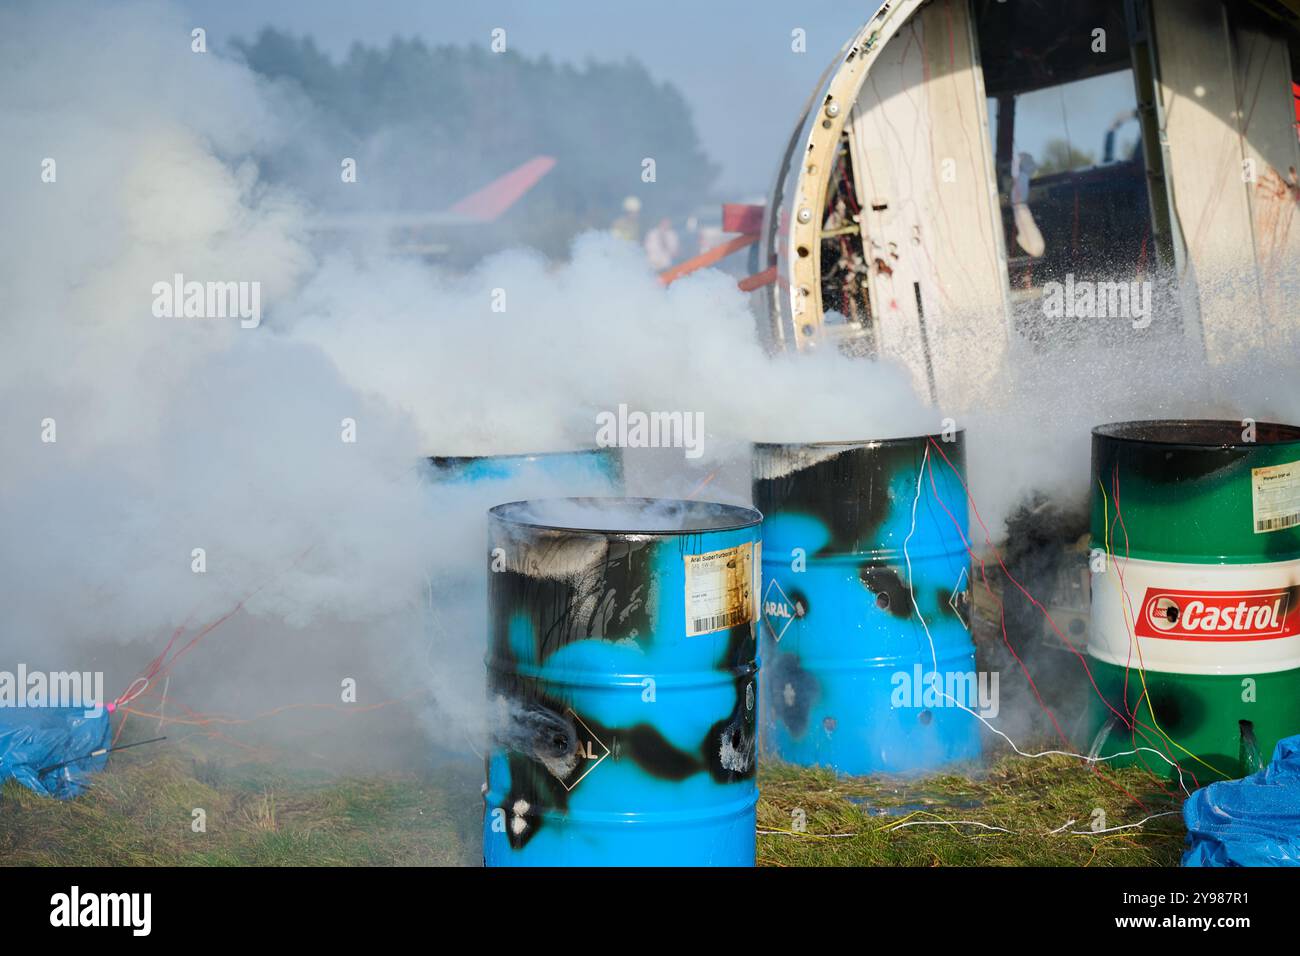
588,471
852,681
622,683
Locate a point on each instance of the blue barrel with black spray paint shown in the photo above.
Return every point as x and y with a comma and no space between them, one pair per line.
622,683
852,679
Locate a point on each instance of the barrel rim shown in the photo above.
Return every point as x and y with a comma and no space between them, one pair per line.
849,443
1139,432
752,517
520,456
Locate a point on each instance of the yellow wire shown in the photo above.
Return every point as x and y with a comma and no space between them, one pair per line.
1133,641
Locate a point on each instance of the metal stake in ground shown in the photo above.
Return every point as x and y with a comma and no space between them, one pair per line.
99,753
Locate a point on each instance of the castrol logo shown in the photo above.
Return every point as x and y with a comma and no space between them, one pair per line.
1219,615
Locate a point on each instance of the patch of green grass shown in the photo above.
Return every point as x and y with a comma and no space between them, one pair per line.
857,821
140,812
140,809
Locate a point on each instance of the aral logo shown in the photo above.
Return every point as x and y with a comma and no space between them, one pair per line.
778,610
1219,615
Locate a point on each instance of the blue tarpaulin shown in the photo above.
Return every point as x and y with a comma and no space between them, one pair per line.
1254,821
36,739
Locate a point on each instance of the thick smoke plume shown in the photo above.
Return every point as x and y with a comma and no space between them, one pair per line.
343,560
134,439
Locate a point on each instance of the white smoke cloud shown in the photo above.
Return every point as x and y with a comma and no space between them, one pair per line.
1038,439
578,339
178,434
175,434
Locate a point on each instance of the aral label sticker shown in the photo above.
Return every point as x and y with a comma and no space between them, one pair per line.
720,589
1275,497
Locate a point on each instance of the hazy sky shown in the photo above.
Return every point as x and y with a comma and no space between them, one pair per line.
730,58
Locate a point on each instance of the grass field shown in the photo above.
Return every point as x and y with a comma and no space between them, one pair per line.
140,812
1012,811
870,821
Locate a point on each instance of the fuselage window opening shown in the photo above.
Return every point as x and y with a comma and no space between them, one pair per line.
1067,144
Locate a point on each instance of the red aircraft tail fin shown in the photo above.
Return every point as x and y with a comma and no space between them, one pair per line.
499,195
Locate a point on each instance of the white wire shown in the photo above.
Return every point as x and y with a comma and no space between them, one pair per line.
1126,826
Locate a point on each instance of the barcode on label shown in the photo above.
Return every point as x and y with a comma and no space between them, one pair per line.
702,625
1277,524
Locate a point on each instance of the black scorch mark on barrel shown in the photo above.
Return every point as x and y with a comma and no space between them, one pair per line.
548,755
1169,452
654,754
532,790
800,602
791,691
731,744
849,493
539,731
891,592
605,601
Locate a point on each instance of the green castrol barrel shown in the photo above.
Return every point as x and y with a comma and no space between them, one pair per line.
1195,636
